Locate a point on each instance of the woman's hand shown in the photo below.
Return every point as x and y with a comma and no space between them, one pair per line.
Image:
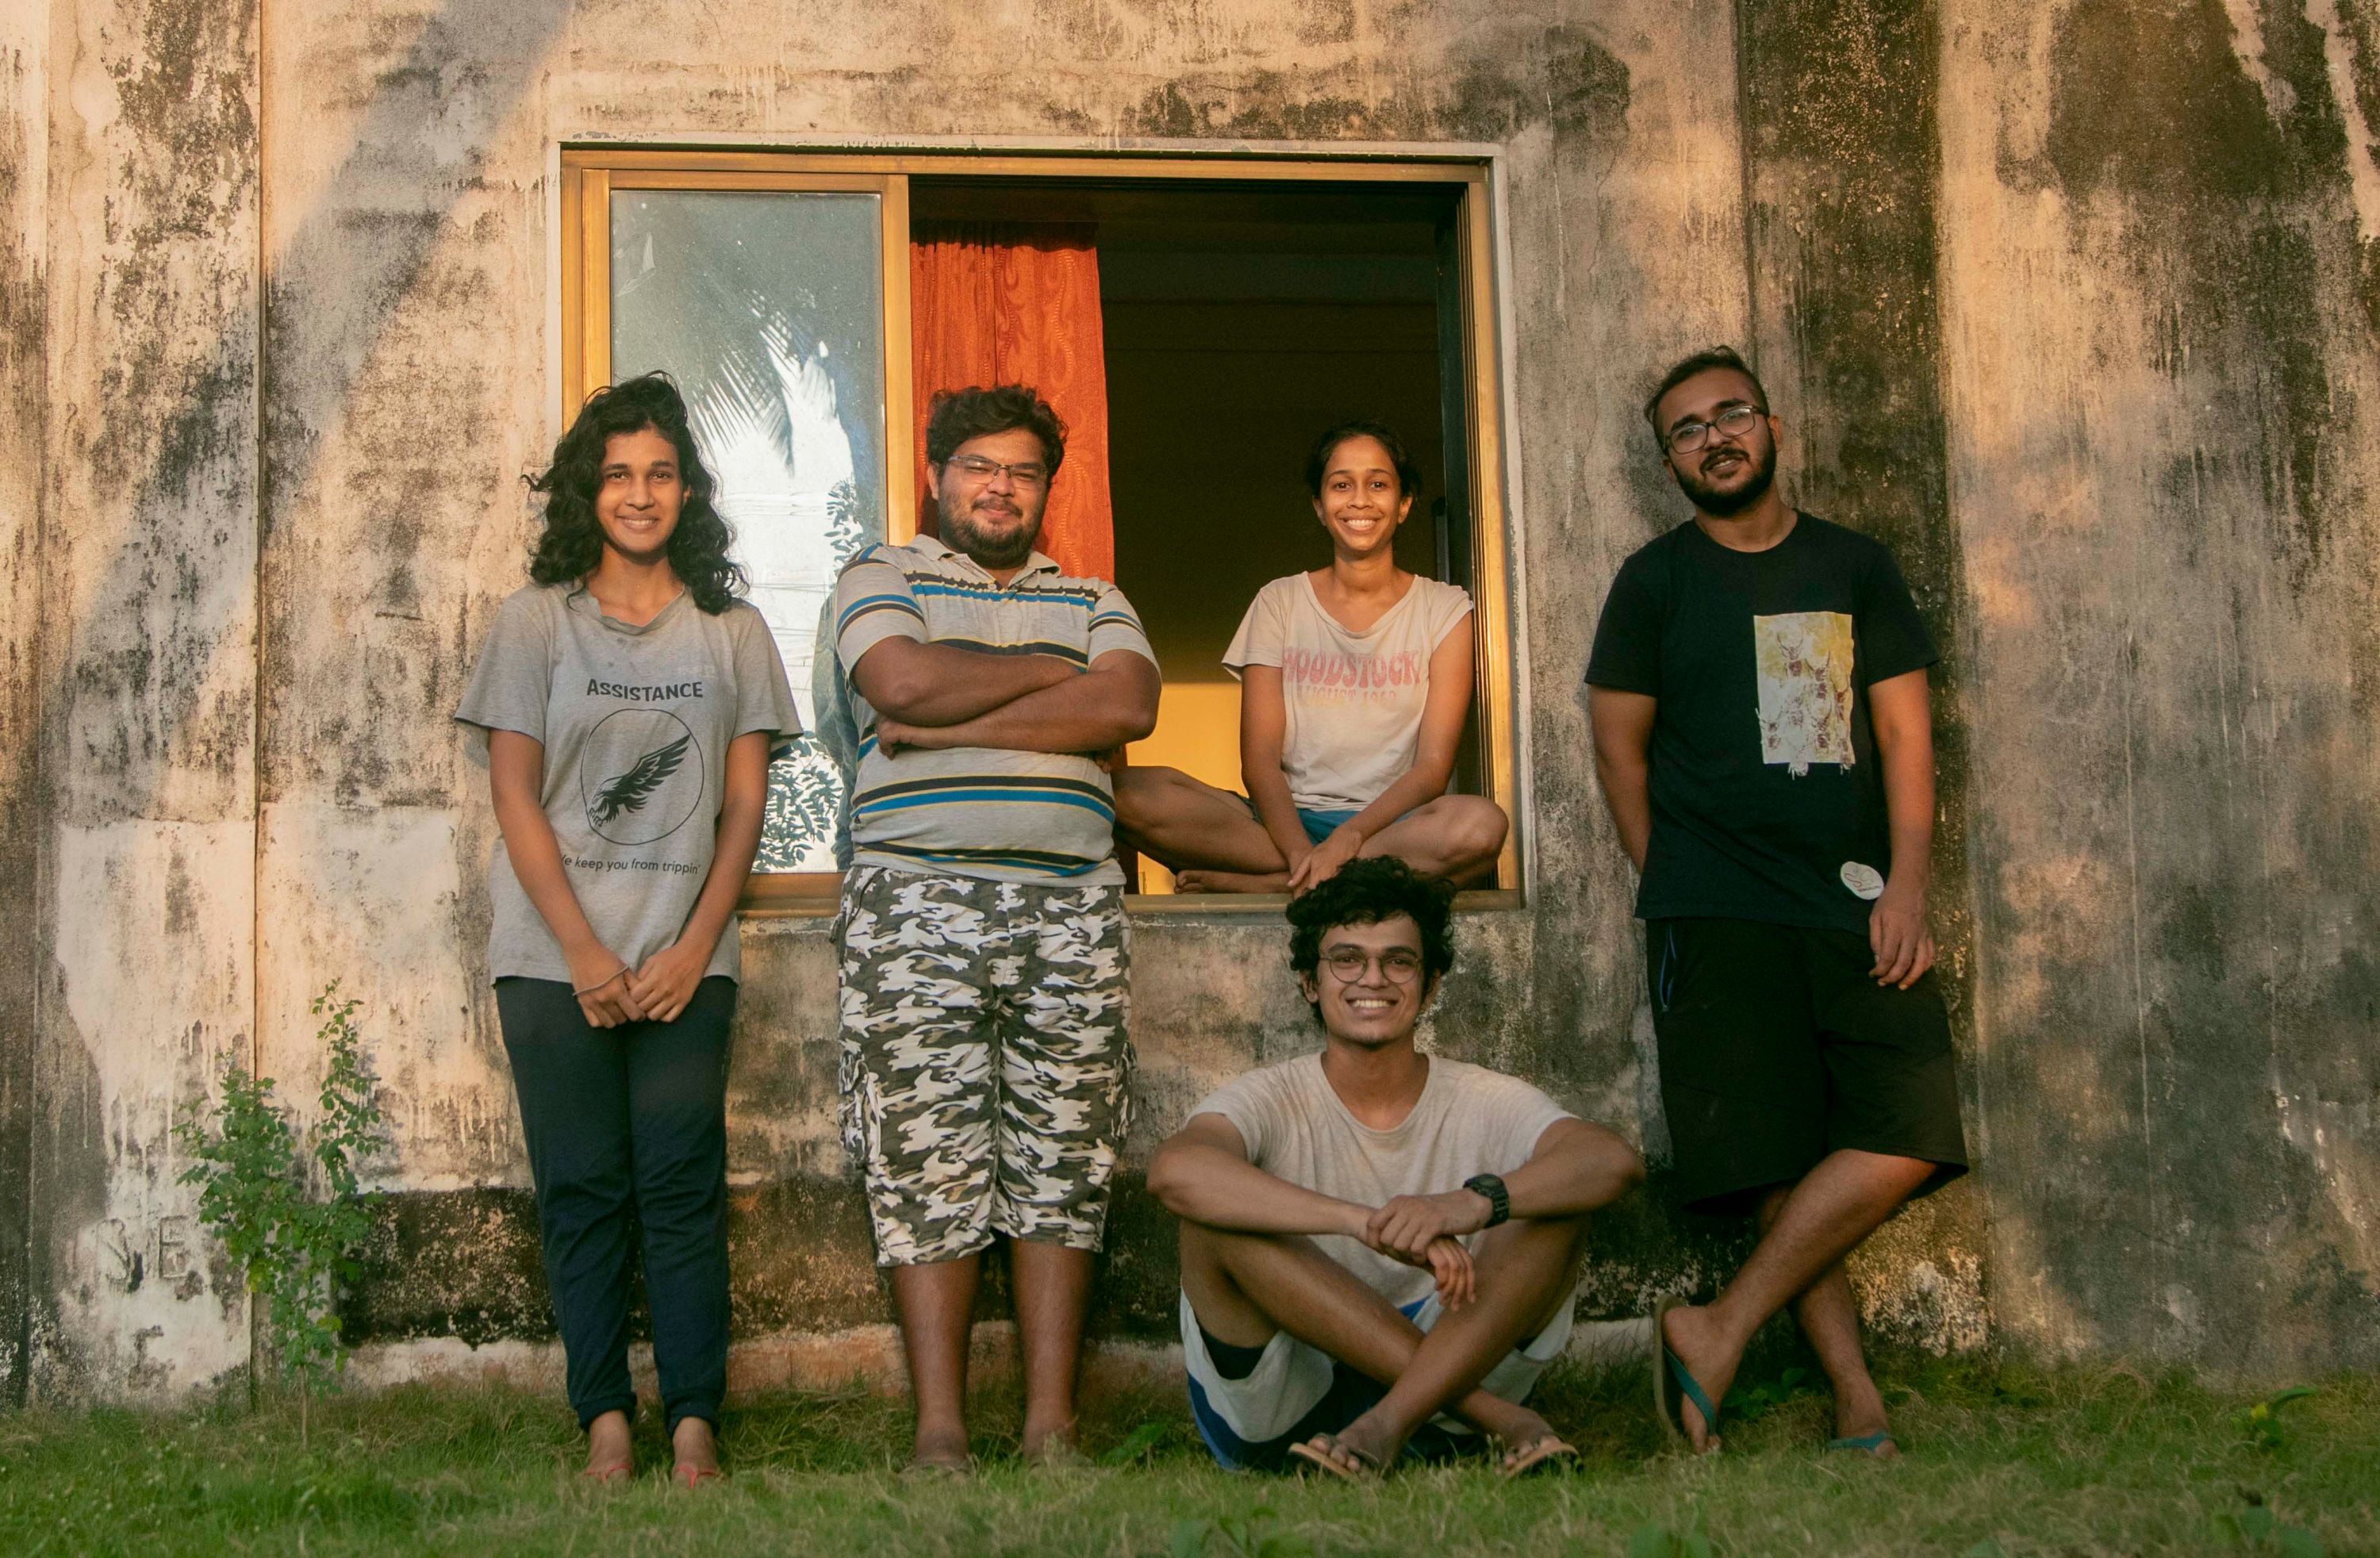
601,980
668,979
1322,862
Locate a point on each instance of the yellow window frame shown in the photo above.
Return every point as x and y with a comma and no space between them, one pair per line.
589,174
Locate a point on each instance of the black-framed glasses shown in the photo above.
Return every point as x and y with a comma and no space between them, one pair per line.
1347,965
1030,474
1733,422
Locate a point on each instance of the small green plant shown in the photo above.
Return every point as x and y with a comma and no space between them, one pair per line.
2256,1529
1237,1536
293,1219
1655,1539
1745,1405
1139,1446
2263,1421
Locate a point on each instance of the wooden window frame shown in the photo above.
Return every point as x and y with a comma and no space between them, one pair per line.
589,174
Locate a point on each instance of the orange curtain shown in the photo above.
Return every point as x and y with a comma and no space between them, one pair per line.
1018,303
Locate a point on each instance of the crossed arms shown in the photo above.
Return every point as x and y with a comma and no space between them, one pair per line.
1202,1175
930,695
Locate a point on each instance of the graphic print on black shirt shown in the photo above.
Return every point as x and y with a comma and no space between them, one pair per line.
1766,800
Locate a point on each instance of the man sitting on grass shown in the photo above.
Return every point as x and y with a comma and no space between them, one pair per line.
1372,1236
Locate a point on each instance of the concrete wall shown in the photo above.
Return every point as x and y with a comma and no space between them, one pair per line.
2070,304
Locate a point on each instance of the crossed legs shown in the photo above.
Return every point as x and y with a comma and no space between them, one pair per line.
1807,1228
1243,1287
1212,842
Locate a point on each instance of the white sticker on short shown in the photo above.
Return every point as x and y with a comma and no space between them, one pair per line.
1867,881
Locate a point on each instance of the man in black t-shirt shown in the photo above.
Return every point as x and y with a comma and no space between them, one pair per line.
1758,689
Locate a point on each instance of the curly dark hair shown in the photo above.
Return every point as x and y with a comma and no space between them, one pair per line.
954,415
572,543
1367,891
1317,460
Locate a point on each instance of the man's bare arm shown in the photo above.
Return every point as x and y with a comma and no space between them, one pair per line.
1202,1175
1623,722
929,684
1576,1168
1113,703
1902,720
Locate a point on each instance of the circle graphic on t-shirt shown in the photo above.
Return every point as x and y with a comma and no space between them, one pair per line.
641,773
1866,882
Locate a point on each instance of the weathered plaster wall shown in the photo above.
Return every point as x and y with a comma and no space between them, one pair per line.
24,401
2100,387
145,676
2161,388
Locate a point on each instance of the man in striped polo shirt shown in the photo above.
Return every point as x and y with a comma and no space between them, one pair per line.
985,1063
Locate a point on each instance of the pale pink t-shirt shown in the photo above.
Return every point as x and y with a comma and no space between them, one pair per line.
1354,699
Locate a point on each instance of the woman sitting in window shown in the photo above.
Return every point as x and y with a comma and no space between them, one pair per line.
1356,680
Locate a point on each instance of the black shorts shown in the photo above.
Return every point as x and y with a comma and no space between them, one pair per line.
1777,1048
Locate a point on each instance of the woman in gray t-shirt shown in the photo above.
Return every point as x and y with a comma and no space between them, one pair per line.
625,705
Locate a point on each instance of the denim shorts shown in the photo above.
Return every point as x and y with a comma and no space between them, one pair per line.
1320,825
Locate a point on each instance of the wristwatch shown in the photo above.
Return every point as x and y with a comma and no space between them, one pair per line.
1500,1203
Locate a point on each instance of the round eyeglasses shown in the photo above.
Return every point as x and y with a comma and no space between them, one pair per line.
1733,422
1347,965
1031,475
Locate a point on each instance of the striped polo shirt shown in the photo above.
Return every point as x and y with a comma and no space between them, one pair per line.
981,811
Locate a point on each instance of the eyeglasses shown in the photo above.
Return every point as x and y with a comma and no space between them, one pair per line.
1030,476
1733,422
1347,965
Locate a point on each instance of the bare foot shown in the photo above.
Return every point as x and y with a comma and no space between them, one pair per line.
940,1449
696,1447
1371,1440
611,1457
1688,1332
1053,1447
1231,882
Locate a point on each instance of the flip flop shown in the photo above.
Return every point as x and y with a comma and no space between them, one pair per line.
599,1474
1324,1458
695,1477
1870,1443
1673,1386
1545,1452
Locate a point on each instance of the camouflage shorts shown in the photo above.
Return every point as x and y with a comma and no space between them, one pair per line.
986,1066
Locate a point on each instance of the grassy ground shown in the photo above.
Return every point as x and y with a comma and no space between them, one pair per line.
1998,1463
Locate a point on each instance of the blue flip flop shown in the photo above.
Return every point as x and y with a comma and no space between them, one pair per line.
1672,1386
1870,1443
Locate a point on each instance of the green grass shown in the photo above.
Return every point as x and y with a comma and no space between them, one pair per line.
1999,1462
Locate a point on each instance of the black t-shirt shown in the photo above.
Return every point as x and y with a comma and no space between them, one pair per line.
1768,803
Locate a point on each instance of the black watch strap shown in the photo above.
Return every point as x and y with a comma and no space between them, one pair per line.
1499,1202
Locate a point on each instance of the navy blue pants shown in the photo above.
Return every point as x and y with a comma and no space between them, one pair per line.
628,1125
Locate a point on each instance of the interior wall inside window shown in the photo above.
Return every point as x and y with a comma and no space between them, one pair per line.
1239,324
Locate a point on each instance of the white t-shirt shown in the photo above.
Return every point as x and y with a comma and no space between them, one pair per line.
1468,1121
1355,700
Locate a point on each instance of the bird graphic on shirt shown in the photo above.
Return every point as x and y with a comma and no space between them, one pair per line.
629,791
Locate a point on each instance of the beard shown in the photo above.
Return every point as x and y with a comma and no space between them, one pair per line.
1721,502
990,548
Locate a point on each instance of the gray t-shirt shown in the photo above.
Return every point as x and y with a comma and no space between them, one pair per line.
636,721
1468,1121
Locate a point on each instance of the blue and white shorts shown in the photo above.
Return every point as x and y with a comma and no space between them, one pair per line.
1296,1392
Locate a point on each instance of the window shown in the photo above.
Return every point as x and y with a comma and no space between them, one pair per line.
1245,304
